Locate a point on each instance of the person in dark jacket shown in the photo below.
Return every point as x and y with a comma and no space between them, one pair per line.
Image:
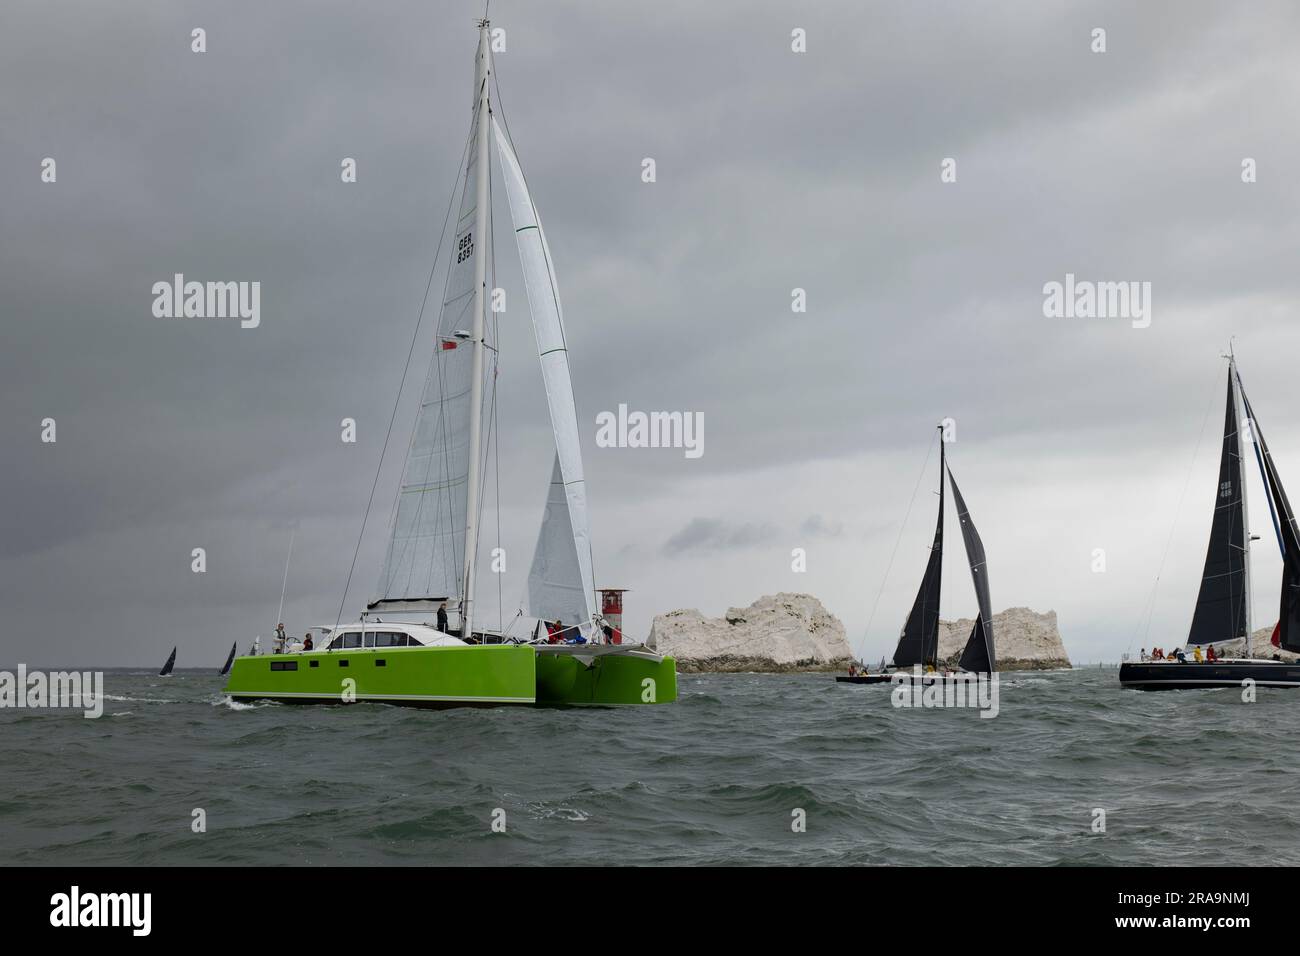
442,617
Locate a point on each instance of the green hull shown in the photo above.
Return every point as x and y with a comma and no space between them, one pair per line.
454,677
610,679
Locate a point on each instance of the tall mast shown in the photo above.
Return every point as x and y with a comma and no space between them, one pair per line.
1241,482
943,469
482,176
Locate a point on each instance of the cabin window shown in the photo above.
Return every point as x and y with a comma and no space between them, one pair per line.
380,662
343,663
284,665
315,663
390,639
345,640
370,639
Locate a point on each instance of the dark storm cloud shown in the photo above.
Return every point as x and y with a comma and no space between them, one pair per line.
775,171
709,534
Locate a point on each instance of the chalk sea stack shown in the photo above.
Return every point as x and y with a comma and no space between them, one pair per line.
777,633
1025,639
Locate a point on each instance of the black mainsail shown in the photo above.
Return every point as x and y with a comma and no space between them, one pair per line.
229,660
1288,537
919,642
171,662
979,655
1221,605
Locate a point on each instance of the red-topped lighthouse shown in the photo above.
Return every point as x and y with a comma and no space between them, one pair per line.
611,609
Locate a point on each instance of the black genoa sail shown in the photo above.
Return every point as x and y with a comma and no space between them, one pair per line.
979,655
1288,536
171,662
919,642
229,660
1220,613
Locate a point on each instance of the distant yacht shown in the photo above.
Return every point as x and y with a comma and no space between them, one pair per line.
171,662
918,645
1223,609
433,550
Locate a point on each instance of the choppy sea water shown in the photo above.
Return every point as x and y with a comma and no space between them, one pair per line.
1184,777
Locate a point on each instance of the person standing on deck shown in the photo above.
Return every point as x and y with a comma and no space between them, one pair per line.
442,617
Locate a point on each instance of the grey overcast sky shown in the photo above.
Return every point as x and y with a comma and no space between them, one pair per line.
775,170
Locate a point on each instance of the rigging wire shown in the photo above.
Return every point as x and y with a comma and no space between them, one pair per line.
911,501
406,368
284,585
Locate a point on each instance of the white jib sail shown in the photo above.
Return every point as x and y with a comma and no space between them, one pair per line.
548,325
555,586
426,553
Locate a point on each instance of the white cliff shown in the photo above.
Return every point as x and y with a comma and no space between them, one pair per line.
1023,640
782,632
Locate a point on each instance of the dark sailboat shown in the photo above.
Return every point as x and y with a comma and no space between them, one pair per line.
918,645
225,669
167,668
1222,611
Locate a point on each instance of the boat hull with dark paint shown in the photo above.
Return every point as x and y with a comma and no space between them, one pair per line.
1172,675
863,679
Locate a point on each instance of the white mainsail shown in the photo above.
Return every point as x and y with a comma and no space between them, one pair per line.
548,326
425,561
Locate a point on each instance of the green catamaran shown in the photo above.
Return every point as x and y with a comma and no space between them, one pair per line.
433,549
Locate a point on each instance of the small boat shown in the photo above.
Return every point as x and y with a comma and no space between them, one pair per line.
917,653
225,668
171,662
433,552
863,678
1223,608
